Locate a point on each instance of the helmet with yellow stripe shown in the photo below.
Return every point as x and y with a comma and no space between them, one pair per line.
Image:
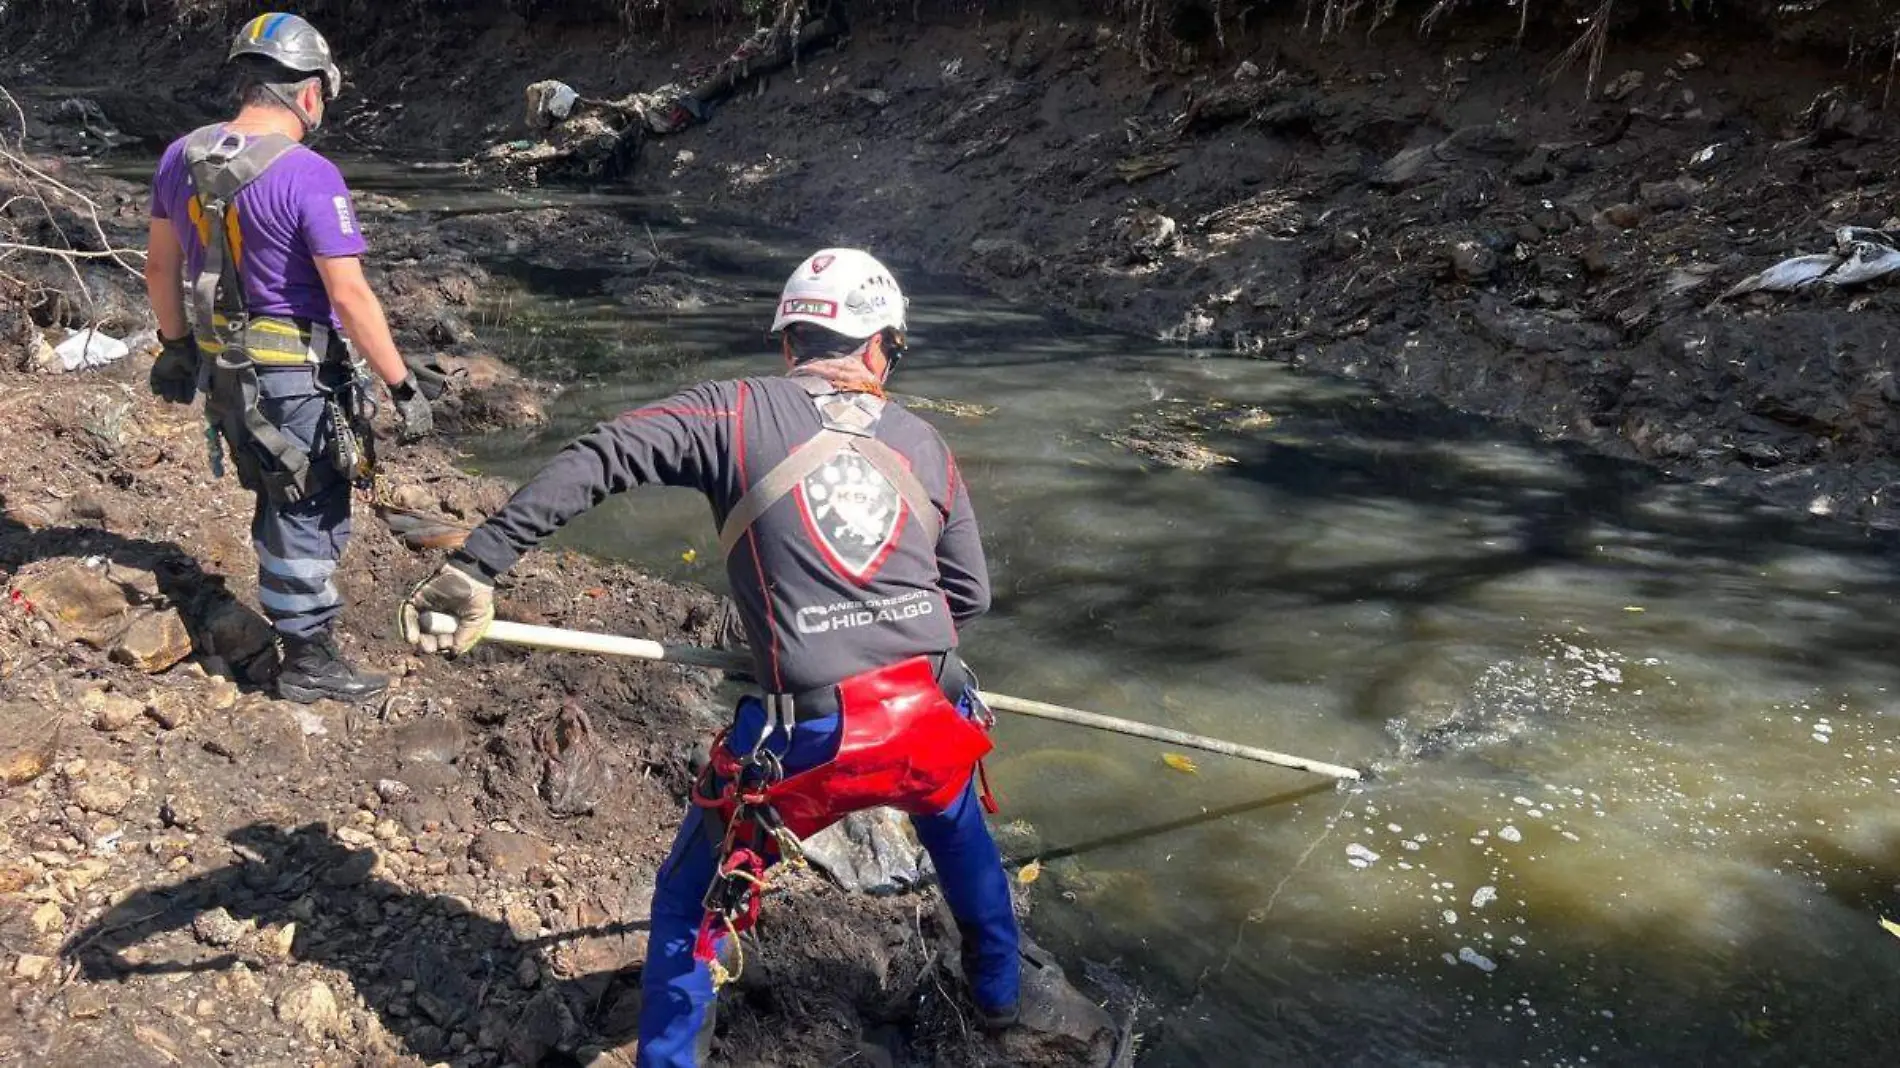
291,43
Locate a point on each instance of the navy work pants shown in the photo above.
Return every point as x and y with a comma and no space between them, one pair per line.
298,545
676,1011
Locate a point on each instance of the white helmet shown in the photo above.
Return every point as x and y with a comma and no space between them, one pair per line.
845,290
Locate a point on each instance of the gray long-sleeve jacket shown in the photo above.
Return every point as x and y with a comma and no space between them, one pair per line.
832,580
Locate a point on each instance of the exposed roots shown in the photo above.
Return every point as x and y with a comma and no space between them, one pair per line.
1592,43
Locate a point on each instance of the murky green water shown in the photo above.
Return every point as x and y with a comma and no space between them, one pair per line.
1638,797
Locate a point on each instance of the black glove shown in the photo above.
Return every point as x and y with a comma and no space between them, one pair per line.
428,374
414,418
175,372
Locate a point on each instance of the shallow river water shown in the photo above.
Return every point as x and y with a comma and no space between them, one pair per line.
1637,791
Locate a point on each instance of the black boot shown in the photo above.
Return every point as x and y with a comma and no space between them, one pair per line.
314,669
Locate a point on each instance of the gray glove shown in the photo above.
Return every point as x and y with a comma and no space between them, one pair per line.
174,374
451,591
415,420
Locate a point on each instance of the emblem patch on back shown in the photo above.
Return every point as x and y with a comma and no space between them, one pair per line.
853,513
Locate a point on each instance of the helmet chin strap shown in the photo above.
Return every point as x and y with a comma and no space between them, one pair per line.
892,347
310,122
891,343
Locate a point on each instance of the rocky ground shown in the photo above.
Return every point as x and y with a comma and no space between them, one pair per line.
192,872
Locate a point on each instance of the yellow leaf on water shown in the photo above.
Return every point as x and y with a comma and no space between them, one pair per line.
1030,872
1634,608
1892,927
1180,763
690,555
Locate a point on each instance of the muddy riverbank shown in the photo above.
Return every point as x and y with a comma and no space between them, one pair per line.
1440,215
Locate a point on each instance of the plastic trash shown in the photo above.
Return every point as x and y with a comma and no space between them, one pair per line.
561,101
90,348
1869,256
1861,255
550,102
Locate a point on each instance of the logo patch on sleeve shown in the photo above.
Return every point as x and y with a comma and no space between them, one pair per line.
345,218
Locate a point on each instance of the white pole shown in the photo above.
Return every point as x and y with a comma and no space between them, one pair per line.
581,641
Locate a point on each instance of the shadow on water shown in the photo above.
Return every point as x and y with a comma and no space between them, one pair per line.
1336,465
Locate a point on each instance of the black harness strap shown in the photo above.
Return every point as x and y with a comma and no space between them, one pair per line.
222,164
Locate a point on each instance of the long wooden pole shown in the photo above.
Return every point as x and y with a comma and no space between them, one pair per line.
581,641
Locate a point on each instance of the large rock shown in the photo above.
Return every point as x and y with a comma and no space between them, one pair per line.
219,928
545,1025
28,739
312,1008
154,641
106,790
549,103
509,852
1464,147
110,712
1005,256
81,603
873,852
435,740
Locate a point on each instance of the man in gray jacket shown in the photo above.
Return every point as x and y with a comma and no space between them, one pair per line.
853,554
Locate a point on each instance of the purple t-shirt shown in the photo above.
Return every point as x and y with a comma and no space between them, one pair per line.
299,210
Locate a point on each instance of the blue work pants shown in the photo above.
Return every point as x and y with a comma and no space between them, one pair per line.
298,545
676,1014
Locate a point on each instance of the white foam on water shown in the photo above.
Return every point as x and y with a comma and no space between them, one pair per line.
1484,896
1476,959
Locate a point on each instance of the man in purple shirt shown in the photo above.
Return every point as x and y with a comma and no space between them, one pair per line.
262,233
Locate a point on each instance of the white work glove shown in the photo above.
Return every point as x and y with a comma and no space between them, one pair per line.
453,592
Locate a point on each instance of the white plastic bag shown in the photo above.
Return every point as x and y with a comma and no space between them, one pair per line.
90,348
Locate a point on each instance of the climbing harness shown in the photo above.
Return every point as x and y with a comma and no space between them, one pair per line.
237,344
901,743
850,423
733,900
